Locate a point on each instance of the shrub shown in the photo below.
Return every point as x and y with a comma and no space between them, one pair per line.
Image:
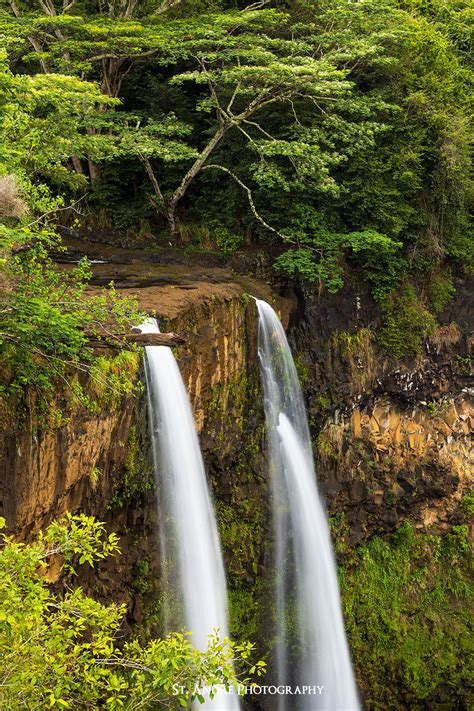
61,650
406,323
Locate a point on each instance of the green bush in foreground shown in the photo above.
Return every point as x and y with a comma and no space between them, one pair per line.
62,650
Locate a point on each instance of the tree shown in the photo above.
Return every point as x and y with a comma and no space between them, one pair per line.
243,64
330,121
45,312
62,650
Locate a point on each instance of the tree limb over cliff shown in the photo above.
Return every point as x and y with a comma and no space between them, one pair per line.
141,339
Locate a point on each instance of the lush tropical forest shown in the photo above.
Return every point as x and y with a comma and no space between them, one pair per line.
321,147
336,134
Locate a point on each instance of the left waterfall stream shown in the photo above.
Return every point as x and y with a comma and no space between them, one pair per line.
192,565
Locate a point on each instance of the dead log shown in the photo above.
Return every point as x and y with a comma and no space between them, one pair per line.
142,339
155,339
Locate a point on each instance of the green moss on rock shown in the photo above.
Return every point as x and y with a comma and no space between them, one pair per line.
407,602
406,323
137,477
112,377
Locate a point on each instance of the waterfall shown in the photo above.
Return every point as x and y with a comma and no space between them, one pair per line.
190,549
313,650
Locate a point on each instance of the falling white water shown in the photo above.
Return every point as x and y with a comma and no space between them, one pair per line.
189,541
305,566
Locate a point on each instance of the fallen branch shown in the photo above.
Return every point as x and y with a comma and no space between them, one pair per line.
142,339
156,339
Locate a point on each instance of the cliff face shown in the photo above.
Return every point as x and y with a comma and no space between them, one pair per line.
98,462
391,439
51,472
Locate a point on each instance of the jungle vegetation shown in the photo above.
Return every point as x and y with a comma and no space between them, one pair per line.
64,651
333,135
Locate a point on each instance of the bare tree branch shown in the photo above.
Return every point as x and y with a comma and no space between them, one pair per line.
250,199
151,174
58,209
166,5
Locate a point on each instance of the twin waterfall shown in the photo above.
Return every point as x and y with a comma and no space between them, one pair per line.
306,586
305,569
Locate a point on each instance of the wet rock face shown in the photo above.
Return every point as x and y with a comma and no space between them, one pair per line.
97,463
392,439
381,464
63,469
77,465
93,465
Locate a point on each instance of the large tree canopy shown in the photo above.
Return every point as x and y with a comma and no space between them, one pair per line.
337,132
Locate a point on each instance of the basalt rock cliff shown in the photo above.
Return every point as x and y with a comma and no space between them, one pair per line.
391,438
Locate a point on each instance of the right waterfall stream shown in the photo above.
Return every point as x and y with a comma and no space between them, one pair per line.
311,646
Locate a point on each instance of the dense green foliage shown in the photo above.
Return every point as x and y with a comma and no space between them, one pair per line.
43,344
62,650
406,323
407,603
342,125
45,313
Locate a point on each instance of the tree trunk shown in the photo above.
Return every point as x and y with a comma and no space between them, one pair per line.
93,171
142,339
189,177
77,165
151,174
